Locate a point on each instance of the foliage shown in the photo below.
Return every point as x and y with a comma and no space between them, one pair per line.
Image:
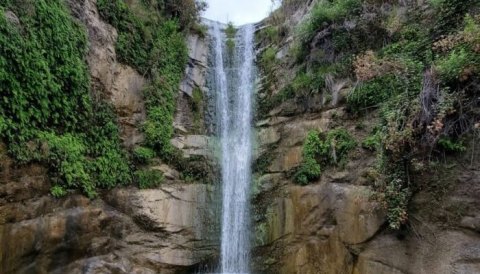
268,59
373,141
396,201
58,191
310,169
143,155
149,178
197,102
453,65
230,31
47,113
157,48
65,155
44,79
451,146
373,93
325,12
331,149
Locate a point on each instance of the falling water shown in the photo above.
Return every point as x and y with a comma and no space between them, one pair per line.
233,84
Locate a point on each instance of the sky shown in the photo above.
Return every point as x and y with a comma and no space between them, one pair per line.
238,11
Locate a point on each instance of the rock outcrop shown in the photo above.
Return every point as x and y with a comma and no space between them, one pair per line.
165,230
171,229
335,224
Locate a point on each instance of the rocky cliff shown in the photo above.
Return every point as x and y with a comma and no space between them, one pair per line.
170,229
342,220
337,223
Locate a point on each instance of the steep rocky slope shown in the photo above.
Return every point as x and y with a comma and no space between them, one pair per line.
337,223
165,230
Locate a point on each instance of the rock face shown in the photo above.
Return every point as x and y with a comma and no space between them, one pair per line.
120,84
167,230
171,229
334,225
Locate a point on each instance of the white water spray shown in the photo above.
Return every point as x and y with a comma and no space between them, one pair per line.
233,83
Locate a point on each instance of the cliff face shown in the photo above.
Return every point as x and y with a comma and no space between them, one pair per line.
334,224
127,230
337,224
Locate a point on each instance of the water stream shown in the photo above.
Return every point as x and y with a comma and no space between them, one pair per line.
233,84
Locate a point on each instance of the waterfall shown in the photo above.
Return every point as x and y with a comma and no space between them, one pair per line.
232,84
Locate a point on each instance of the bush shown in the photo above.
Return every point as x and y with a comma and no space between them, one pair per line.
373,142
143,155
149,178
47,114
396,201
326,12
310,169
372,93
332,149
44,79
58,191
65,155
308,83
453,66
451,146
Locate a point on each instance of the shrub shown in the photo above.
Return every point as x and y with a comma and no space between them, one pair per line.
326,12
372,142
65,155
47,114
310,169
308,83
143,155
454,65
332,150
373,93
44,79
268,59
149,178
58,191
156,47
451,146
396,198
337,145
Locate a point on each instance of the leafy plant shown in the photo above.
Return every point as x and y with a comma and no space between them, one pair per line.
149,178
143,155
325,12
332,149
58,191
451,146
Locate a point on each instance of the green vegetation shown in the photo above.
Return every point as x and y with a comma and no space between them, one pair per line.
47,113
230,32
148,178
451,146
156,47
418,70
372,93
197,108
326,12
143,155
329,149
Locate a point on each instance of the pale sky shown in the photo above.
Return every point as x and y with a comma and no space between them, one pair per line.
238,11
